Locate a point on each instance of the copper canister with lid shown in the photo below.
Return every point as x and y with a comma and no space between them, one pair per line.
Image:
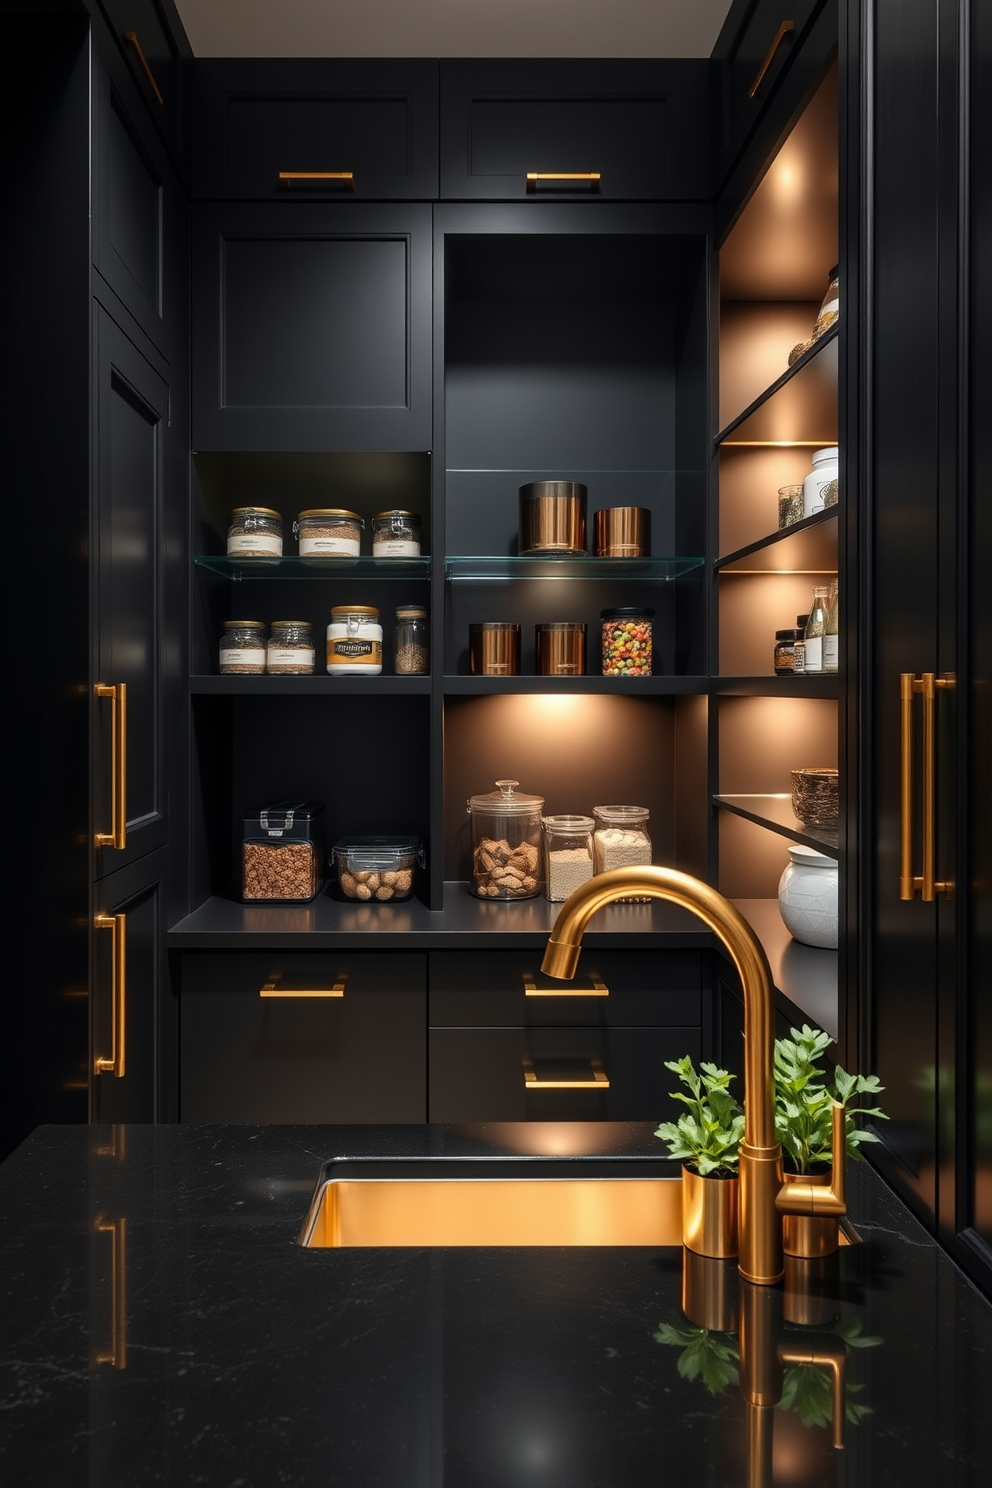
552,518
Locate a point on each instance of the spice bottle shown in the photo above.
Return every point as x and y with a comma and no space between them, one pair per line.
567,854
626,639
396,534
291,650
816,627
799,649
785,651
506,843
354,641
255,532
242,648
411,643
830,631
621,841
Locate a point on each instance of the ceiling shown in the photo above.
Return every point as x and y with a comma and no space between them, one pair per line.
452,28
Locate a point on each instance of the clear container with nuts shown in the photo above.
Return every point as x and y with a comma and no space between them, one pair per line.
256,533
291,649
506,843
282,853
242,649
379,870
329,532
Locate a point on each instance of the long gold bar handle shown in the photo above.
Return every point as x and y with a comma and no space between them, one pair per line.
599,1079
118,1041
117,836
927,685
907,881
584,178
598,989
347,178
117,1353
132,37
780,35
271,990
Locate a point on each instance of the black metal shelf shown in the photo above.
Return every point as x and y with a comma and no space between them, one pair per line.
780,415
809,546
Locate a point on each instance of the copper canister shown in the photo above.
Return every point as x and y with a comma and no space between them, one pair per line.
622,532
552,517
560,649
494,648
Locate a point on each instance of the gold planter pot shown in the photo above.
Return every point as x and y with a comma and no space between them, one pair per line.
710,1214
806,1236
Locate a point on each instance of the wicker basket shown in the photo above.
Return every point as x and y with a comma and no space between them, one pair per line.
814,796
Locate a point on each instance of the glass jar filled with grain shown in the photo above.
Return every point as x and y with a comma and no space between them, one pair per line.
396,534
255,532
243,648
291,649
329,532
411,642
621,841
567,854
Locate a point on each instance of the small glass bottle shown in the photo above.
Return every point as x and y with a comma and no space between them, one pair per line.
783,657
411,642
830,632
255,532
567,854
830,305
242,648
354,641
816,627
799,649
291,649
621,841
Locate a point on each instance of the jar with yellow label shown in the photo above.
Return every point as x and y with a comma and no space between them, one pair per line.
354,641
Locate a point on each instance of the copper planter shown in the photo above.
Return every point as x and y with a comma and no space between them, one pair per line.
710,1214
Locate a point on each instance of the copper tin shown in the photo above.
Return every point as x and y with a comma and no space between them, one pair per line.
494,648
552,517
560,649
622,532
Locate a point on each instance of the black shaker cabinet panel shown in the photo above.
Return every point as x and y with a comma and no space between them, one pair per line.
281,128
312,327
298,1036
151,38
621,130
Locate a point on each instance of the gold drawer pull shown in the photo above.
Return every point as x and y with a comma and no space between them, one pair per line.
117,1230
910,883
132,37
780,35
271,990
599,1079
347,178
585,178
117,836
598,989
115,1064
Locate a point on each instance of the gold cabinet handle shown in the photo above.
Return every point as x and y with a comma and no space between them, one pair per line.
347,178
271,990
584,178
132,38
599,1080
780,35
926,685
598,989
117,1353
115,1064
117,836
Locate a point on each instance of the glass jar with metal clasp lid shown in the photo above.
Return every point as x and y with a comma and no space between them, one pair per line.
242,648
354,641
291,650
255,532
330,532
396,534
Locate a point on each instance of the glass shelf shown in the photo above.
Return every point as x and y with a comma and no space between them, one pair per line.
578,566
775,812
807,546
295,567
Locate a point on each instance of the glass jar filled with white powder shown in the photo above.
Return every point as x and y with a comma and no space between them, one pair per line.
567,854
621,841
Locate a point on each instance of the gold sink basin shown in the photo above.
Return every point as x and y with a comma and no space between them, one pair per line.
494,1202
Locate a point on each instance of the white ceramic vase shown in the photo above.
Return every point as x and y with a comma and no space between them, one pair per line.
807,897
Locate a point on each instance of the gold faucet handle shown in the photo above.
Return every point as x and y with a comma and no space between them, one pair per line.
820,1200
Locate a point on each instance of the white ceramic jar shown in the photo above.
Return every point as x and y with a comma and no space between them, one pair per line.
807,897
354,641
817,483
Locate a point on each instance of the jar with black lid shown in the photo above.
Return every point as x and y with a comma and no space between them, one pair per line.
785,651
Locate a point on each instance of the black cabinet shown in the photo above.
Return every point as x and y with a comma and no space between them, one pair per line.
298,1036
327,129
311,327
610,130
150,35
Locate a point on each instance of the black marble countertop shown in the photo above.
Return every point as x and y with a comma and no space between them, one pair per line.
162,1325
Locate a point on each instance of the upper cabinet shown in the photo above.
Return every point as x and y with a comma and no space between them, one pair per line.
303,129
151,37
576,129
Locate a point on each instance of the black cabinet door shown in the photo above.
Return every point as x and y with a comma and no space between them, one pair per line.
312,327
150,36
129,794
278,128
610,130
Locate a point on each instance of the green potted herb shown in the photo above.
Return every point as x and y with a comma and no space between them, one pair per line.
706,1139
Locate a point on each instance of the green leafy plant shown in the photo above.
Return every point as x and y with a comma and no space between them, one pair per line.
708,1135
713,1358
804,1099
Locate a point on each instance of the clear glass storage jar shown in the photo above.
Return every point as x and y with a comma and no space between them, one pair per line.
784,655
329,532
627,640
242,650
291,650
621,841
396,534
411,642
282,852
255,532
506,843
567,854
354,641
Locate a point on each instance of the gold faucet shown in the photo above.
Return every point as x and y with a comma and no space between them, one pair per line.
763,1197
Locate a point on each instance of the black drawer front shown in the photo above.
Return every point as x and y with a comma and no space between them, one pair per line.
506,989
252,1051
371,126
482,1074
643,126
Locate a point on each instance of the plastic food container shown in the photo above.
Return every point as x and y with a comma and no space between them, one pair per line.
282,852
379,870
506,843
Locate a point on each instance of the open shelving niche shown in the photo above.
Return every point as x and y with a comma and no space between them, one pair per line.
773,267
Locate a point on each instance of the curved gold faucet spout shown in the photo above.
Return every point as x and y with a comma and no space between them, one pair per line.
761,1258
